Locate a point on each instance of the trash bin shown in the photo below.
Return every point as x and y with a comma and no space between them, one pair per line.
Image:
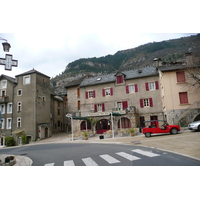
101,137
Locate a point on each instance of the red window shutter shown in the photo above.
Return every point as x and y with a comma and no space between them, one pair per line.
180,76
183,97
157,85
151,102
119,79
95,107
147,86
136,88
94,94
103,92
141,103
103,107
124,104
111,91
86,95
127,89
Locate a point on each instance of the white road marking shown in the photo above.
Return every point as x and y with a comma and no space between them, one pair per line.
128,156
145,153
49,164
69,163
109,159
89,162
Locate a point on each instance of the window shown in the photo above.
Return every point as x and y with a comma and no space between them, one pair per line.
90,94
152,85
146,102
18,122
79,105
131,88
183,98
9,108
85,125
58,111
78,92
19,92
3,93
107,92
58,123
99,107
19,106
124,123
120,79
122,105
9,123
43,99
2,123
2,108
4,84
26,79
180,77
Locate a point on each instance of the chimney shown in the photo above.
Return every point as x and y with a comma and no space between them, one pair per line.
189,59
157,62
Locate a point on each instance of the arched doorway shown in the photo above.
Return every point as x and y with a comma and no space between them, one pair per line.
197,118
85,126
102,126
124,122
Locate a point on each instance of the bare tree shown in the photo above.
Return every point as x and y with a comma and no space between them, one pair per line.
193,77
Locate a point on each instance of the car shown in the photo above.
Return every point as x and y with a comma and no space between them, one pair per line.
194,126
155,129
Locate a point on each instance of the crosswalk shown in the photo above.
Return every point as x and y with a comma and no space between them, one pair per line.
110,159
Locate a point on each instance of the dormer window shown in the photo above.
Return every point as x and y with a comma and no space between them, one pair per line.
120,79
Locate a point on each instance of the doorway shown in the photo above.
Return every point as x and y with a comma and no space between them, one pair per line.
102,126
46,132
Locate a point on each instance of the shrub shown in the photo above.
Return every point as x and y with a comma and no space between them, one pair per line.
10,141
24,139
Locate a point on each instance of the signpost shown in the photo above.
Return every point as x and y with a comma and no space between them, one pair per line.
70,116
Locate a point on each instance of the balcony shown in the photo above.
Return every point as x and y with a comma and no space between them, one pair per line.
4,99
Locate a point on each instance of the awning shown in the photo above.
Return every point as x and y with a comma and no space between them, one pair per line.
79,118
116,114
18,132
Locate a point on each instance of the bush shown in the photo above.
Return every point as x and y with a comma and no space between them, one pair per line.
24,139
10,141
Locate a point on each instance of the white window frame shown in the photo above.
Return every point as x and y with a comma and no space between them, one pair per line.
152,86
2,106
90,94
19,120
18,92
8,106
119,106
132,88
19,110
146,102
99,107
3,84
2,123
28,77
107,92
9,123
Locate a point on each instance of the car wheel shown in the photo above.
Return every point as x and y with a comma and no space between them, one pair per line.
148,134
173,131
198,129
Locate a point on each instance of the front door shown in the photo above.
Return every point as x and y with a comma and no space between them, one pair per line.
46,132
103,126
153,118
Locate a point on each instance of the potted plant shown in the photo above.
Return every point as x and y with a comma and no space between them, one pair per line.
12,157
132,131
7,159
85,135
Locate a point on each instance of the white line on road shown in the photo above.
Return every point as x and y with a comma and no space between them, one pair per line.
69,163
128,156
145,153
89,162
109,159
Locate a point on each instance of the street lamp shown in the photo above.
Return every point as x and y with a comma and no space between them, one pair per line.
6,45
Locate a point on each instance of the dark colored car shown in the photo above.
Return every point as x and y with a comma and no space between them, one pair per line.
155,129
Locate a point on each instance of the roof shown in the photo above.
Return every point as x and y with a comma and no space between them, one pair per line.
74,82
174,67
32,72
130,74
8,78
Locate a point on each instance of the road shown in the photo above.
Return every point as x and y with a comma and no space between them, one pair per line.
85,154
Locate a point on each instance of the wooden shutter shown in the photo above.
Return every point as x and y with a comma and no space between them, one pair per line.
86,95
94,94
127,89
124,104
103,92
95,107
151,102
157,85
141,103
111,91
119,79
136,88
147,86
103,107
183,97
180,76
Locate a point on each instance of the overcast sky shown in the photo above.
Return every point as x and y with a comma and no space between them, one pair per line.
47,36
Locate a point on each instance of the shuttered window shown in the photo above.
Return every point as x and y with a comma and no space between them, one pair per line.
147,102
120,79
183,97
131,88
180,77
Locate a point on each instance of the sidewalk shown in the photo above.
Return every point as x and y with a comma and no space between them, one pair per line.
186,143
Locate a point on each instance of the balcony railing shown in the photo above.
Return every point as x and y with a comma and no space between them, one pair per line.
4,99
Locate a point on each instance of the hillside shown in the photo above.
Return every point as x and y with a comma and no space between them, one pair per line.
141,56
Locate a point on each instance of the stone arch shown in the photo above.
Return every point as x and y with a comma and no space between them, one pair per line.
197,118
124,122
103,125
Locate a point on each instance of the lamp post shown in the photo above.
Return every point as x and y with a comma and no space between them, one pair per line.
7,61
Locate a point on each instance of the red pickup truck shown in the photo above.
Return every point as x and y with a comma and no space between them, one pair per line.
155,129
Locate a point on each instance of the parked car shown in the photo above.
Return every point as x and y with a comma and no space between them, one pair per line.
155,129
194,126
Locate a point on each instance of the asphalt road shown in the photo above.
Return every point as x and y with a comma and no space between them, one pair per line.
82,154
